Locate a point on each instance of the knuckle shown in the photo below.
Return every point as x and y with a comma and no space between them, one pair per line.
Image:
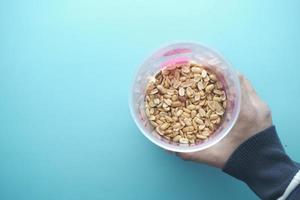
241,77
265,108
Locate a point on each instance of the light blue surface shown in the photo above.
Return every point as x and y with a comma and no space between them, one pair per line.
65,71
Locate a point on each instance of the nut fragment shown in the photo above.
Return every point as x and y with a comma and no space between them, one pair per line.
168,119
179,112
220,112
213,77
200,86
201,136
190,92
154,91
158,130
164,126
198,120
193,113
187,121
186,110
183,140
161,89
185,114
168,102
176,104
177,126
214,116
206,133
219,92
197,96
209,88
191,107
156,101
176,138
181,91
201,127
176,84
187,129
202,112
196,70
187,83
203,74
152,118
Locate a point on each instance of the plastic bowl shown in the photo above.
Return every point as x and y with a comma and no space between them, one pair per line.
176,54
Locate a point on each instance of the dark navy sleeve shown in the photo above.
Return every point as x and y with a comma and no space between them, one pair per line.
295,195
263,165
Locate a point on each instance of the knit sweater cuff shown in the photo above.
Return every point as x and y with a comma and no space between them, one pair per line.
262,164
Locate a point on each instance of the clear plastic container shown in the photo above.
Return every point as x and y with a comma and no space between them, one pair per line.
176,54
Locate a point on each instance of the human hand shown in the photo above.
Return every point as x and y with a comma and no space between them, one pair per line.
254,117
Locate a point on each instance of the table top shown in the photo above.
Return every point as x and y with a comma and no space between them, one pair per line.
65,73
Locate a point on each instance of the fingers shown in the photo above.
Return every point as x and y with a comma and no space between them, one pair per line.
185,156
206,156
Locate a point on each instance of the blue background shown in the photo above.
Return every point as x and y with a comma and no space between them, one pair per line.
65,73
